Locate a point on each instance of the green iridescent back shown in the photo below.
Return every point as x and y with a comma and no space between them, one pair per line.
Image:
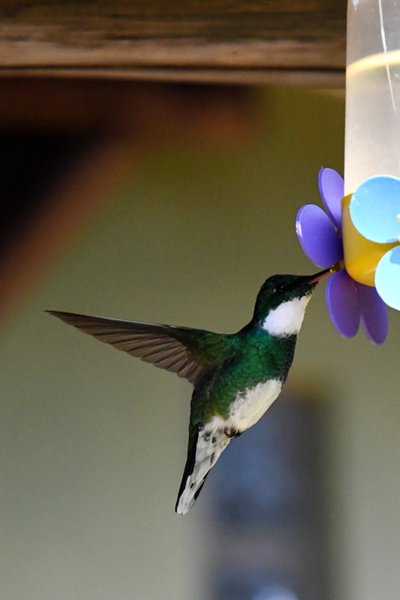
255,357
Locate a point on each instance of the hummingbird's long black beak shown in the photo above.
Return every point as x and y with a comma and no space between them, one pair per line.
314,279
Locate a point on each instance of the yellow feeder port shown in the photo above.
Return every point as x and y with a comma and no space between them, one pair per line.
360,255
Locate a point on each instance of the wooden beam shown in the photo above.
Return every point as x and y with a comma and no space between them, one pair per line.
236,41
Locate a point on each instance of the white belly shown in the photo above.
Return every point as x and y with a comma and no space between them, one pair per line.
250,405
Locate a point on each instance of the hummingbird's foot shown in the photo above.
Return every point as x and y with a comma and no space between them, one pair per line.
232,433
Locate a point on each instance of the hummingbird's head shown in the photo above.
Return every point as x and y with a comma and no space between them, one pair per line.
282,300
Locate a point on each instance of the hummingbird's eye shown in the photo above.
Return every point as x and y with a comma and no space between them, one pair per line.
281,288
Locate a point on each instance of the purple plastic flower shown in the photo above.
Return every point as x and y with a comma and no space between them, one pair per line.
319,233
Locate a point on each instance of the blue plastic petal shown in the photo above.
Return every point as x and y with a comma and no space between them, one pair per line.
343,303
375,209
387,278
331,188
318,236
374,318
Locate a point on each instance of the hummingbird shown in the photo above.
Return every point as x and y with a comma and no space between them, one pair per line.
236,377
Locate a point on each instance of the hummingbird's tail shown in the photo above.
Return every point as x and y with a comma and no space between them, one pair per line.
205,447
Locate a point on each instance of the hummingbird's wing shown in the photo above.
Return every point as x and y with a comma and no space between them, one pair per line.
187,352
205,447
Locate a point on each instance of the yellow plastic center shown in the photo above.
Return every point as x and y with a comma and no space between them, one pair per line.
360,255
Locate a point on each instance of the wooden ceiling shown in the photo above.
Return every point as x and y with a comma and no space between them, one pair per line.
241,41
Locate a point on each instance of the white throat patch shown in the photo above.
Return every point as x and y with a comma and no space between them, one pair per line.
287,318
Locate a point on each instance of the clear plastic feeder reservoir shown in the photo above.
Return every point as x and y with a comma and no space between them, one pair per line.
372,144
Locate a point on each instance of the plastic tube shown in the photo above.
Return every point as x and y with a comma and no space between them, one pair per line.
372,138
372,90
